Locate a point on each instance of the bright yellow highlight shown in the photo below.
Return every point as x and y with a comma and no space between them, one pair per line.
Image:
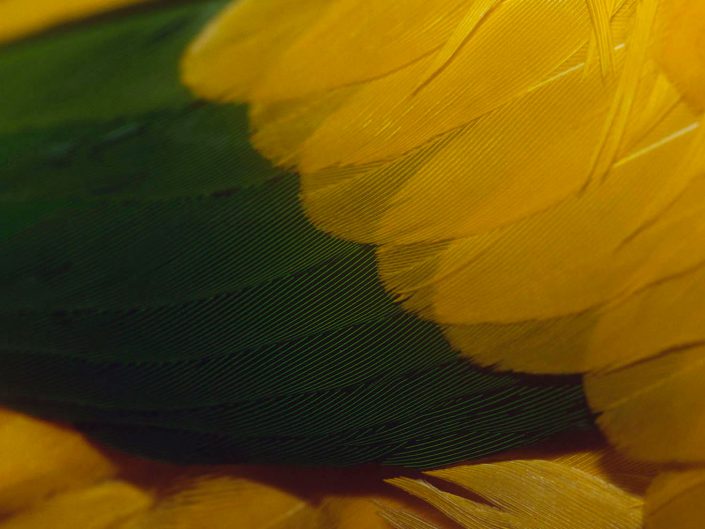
569,491
532,172
19,18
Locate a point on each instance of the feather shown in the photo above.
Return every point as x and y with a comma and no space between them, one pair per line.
40,460
510,221
102,506
222,502
231,45
602,45
394,39
675,500
162,289
112,84
654,409
230,501
567,491
546,214
19,21
525,202
128,493
585,487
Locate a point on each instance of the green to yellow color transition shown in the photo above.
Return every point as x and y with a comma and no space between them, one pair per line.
72,485
19,18
537,192
511,183
162,289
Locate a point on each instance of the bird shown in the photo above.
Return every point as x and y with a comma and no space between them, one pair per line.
251,245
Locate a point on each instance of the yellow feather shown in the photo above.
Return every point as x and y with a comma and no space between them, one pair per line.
40,459
50,477
497,192
547,214
573,491
280,129
228,501
396,35
655,409
613,338
19,19
602,44
626,94
104,506
225,503
676,499
389,117
473,19
235,45
518,206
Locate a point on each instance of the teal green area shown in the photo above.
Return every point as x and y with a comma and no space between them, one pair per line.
161,288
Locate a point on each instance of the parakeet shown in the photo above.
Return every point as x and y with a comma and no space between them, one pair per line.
352,241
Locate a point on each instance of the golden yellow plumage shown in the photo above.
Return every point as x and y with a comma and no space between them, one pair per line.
532,173
571,490
547,212
592,488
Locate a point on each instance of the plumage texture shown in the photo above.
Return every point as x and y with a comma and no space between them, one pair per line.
593,488
573,490
161,288
654,409
126,493
545,211
535,193
517,199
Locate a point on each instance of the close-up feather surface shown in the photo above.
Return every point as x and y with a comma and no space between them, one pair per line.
352,264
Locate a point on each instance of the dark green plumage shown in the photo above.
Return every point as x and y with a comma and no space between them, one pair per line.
161,288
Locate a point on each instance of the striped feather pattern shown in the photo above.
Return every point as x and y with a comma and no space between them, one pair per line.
161,288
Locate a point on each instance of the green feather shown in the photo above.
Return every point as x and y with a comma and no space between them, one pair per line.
161,288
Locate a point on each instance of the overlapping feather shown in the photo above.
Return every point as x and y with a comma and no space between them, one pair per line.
162,289
547,212
593,488
398,136
19,19
572,490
